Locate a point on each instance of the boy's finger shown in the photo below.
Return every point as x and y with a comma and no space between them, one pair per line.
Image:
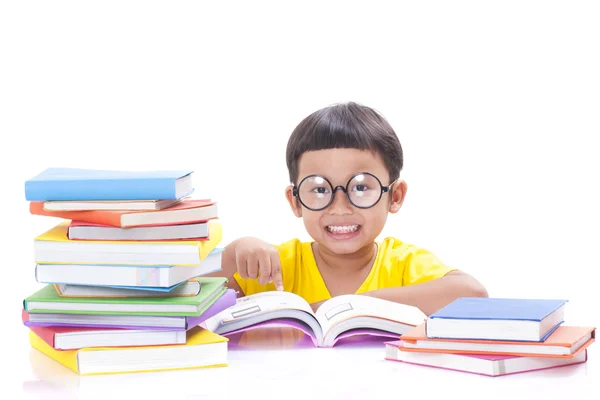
276,273
252,264
264,269
241,265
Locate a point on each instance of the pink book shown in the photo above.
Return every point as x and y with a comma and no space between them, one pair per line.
70,337
488,364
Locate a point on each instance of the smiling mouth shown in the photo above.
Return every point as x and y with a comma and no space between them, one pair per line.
338,229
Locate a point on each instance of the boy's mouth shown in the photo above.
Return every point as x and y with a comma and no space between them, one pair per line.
342,231
342,228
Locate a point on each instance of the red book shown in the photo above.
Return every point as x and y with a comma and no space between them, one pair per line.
187,211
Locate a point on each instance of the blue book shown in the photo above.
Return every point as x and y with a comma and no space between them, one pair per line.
472,318
64,184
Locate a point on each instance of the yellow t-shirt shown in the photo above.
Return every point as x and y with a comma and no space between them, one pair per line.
396,264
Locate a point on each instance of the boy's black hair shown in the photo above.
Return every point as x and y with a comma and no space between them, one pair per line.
346,125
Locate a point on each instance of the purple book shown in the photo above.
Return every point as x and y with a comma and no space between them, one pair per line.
130,321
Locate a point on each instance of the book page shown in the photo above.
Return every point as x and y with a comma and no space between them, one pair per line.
261,303
344,307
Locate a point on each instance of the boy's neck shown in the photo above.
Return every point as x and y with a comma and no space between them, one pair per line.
354,262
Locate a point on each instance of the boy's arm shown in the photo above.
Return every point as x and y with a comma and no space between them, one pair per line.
435,294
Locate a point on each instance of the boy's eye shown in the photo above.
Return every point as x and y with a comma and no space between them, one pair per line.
360,188
320,190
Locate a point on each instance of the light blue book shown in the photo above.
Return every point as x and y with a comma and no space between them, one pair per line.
186,288
141,288
64,184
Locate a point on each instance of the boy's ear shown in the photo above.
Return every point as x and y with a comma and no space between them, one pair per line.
293,200
397,195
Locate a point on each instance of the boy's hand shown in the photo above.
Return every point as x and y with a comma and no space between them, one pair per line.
256,259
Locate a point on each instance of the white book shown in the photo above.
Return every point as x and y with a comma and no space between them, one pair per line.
129,205
336,318
54,247
80,231
125,275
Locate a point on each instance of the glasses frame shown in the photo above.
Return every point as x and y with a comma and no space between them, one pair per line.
384,189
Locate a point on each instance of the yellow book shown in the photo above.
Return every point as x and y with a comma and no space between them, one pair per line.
54,247
204,349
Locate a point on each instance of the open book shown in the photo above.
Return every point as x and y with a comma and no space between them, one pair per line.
336,318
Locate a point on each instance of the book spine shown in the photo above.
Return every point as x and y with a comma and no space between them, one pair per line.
101,190
98,217
110,218
24,316
44,333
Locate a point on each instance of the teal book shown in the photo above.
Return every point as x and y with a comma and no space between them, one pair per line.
64,184
47,300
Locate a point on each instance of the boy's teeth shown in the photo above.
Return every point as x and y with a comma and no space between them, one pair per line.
342,229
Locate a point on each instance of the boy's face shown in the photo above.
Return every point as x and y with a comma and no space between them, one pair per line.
342,227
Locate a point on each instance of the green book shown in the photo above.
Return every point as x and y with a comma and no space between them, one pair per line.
46,300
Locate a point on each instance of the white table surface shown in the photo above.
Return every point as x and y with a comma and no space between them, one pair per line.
281,363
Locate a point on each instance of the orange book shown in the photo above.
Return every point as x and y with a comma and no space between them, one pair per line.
184,212
564,342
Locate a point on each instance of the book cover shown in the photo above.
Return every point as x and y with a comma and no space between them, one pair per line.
498,308
89,184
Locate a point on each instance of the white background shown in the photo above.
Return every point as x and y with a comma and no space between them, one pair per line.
496,104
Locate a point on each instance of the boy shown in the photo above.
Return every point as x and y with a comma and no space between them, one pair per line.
344,163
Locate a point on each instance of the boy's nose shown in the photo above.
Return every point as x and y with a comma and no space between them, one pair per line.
340,204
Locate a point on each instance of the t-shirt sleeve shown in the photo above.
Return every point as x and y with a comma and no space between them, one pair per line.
287,255
421,266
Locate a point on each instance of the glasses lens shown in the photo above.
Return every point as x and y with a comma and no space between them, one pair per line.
364,190
315,192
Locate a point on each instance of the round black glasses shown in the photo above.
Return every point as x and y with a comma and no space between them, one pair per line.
363,190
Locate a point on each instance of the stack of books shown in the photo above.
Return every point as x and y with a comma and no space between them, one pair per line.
494,337
123,272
